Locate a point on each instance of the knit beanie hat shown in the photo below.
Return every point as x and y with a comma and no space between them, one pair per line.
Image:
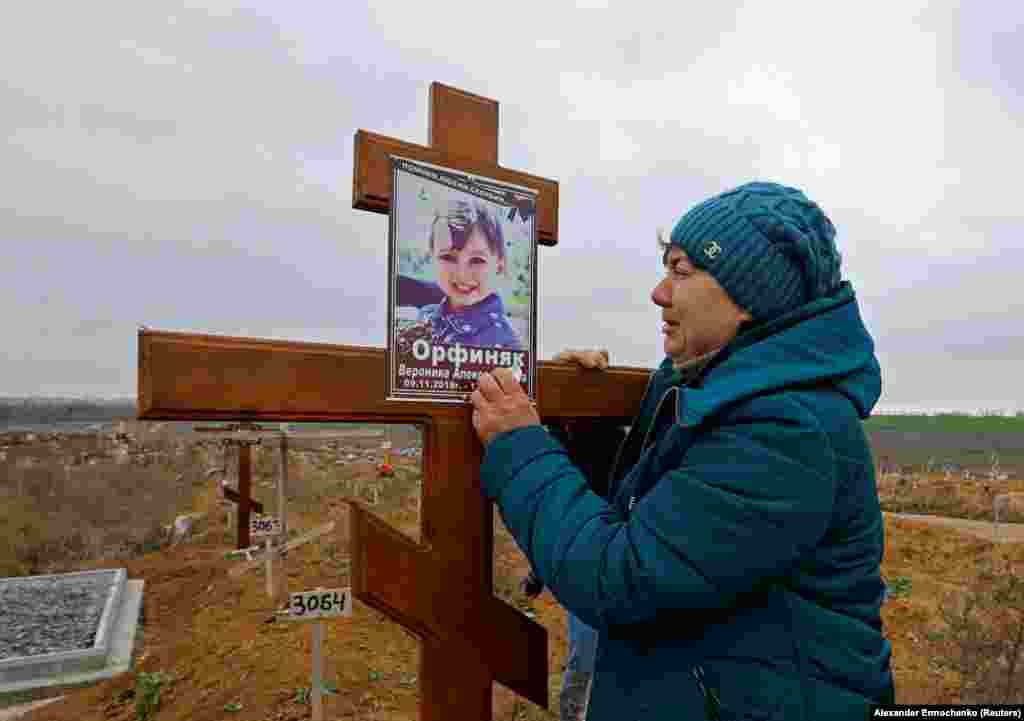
769,246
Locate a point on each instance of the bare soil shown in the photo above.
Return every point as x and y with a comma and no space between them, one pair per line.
985,530
209,632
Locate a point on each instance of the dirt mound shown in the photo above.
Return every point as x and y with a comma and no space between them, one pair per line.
210,634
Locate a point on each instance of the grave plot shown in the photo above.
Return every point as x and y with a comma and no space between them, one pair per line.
314,563
65,630
208,628
50,614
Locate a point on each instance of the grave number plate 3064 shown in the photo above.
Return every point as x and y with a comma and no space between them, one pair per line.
326,603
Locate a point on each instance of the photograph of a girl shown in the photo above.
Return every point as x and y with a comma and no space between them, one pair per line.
462,278
466,246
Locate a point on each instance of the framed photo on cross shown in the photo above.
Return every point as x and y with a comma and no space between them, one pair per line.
462,290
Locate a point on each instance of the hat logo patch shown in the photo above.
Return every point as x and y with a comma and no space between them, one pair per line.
712,249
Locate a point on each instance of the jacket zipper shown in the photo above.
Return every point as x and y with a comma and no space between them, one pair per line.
625,441
712,705
647,435
654,421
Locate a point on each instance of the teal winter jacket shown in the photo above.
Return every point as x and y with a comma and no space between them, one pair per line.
732,569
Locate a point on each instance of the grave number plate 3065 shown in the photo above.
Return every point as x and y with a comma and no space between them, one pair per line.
264,526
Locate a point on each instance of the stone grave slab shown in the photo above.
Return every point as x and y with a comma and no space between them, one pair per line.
65,630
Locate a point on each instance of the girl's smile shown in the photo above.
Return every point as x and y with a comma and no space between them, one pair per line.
467,275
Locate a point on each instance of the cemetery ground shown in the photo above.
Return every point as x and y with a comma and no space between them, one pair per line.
207,650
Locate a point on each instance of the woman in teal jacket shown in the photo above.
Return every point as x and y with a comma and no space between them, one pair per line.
732,568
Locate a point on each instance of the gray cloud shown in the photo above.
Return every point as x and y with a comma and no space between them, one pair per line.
190,168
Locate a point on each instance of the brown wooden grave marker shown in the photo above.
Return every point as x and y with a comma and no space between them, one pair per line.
243,496
440,588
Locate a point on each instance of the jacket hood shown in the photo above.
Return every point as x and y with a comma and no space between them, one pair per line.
822,342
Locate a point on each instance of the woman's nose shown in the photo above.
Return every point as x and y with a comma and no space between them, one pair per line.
661,295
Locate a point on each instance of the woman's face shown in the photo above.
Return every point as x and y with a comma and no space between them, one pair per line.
697,315
467,276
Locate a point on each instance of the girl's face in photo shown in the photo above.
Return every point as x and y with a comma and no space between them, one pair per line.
469,275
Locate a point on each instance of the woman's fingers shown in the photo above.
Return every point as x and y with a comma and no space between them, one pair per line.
599,358
585,358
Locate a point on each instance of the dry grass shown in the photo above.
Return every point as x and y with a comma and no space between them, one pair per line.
207,631
56,511
954,592
954,497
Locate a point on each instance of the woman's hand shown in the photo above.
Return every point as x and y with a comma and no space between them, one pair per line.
500,405
584,358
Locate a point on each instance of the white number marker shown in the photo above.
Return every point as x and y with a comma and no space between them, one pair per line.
324,603
264,525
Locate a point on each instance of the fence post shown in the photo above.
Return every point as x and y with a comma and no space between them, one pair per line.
282,481
315,693
1000,503
270,570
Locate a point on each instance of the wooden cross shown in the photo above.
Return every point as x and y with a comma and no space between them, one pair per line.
440,588
242,497
230,494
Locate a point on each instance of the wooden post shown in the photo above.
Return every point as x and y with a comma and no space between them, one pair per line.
242,497
282,481
440,588
1000,504
270,568
230,494
316,690
244,491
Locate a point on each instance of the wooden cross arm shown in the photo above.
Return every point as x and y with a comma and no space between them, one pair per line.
232,495
372,177
185,376
415,587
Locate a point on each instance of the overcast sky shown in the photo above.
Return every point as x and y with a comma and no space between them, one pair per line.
188,166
